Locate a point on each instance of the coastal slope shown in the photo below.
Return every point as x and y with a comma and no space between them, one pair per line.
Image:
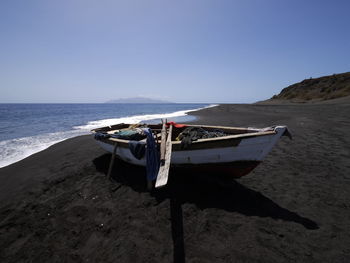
293,207
317,89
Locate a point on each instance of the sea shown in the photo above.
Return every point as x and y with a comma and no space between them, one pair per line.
26,129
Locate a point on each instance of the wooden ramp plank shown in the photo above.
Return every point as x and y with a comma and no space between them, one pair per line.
163,143
163,173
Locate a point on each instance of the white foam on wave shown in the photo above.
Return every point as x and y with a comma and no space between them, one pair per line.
17,149
14,150
135,119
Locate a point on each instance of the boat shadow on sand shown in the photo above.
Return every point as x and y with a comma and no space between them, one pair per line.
202,191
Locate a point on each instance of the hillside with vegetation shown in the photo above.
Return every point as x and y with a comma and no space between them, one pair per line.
318,89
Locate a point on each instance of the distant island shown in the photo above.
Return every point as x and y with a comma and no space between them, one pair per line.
316,89
137,100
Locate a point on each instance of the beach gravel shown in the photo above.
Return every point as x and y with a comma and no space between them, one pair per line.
59,206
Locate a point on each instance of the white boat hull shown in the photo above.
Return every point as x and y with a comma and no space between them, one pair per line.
249,150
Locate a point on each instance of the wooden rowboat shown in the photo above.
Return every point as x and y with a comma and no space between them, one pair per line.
236,154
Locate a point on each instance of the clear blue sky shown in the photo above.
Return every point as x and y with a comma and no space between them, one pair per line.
183,50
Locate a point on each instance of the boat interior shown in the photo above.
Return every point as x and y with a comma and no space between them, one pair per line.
156,128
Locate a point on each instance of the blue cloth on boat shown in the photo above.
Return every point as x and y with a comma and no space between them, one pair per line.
152,156
102,135
135,134
137,149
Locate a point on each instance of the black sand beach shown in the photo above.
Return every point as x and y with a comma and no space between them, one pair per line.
59,206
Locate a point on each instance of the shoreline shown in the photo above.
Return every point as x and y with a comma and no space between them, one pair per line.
86,131
58,204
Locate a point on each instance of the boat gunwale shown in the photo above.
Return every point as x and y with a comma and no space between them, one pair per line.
245,135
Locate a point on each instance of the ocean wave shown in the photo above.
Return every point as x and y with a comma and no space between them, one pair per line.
136,119
17,149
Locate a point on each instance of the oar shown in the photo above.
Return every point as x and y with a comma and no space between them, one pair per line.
163,173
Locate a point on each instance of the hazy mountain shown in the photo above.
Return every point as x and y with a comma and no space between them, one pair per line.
137,100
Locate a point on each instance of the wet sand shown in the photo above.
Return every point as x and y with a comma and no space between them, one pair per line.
58,205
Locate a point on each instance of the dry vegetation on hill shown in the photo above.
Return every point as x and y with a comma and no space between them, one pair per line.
323,88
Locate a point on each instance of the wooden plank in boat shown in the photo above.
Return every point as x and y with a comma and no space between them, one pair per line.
163,173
